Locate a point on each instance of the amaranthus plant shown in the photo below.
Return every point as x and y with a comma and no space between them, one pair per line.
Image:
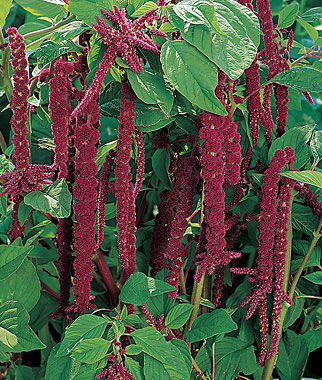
160,199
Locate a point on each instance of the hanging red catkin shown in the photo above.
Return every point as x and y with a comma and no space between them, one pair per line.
140,163
85,192
125,202
309,198
103,189
60,113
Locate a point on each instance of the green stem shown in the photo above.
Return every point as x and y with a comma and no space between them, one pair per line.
195,300
5,65
49,29
270,364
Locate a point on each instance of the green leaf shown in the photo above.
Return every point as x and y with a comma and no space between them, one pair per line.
69,31
148,6
84,327
303,220
232,43
87,10
288,15
11,257
210,324
50,50
43,8
160,164
160,124
139,288
316,146
192,74
300,247
61,368
310,30
300,78
297,138
313,14
133,349
248,363
315,277
155,369
102,152
313,339
23,286
178,316
135,368
23,212
15,333
293,312
306,176
4,11
150,87
91,350
54,199
184,349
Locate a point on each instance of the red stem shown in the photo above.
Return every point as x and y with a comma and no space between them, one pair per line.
49,290
107,277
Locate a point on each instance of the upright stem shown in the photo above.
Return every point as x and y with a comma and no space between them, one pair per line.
270,364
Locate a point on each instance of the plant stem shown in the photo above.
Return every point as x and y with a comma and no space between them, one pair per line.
196,367
49,29
270,364
195,300
183,282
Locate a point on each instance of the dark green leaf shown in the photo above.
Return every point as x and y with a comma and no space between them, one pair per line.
315,277
90,350
11,257
178,316
54,199
306,176
313,339
16,335
184,349
288,15
139,288
84,327
300,248
49,50
248,363
293,312
210,324
232,40
23,212
303,220
151,89
23,286
301,78
160,165
135,368
192,74
160,124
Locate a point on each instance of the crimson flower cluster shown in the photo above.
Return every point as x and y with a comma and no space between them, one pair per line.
123,186
140,163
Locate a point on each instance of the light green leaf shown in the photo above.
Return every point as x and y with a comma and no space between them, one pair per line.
310,30
139,288
11,257
84,327
178,316
288,15
91,350
148,6
210,324
54,199
69,31
4,11
192,74
47,8
15,333
49,50
300,78
313,14
23,286
87,10
306,176
315,277
150,87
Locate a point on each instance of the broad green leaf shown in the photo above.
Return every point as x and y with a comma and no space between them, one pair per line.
87,10
69,31
300,78
23,372
248,362
192,74
133,349
178,316
155,369
54,199
315,277
184,349
303,220
150,87
300,248
91,350
15,333
23,286
4,11
11,257
61,368
139,288
134,368
210,324
288,15
148,6
148,114
306,176
43,8
49,50
231,41
160,165
313,14
310,30
23,212
297,138
84,327
313,339
293,312
160,124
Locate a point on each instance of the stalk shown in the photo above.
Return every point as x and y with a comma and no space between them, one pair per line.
270,364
